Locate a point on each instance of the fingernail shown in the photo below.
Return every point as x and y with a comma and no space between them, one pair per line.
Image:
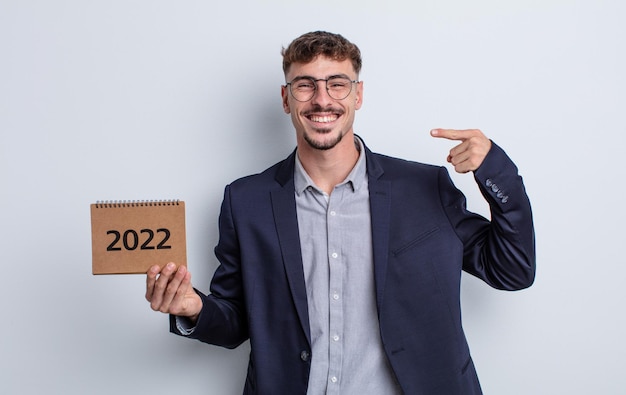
171,265
434,132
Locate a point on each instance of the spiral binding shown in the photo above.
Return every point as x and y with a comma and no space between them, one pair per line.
136,203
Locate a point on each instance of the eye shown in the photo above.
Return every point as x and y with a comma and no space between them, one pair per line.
303,85
338,83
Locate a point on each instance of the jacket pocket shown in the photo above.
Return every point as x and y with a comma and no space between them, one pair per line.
415,242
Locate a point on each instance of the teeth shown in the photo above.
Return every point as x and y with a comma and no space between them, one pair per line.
324,119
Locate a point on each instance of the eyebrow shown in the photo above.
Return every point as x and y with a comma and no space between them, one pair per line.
302,77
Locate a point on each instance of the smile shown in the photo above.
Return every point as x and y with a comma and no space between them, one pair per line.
323,118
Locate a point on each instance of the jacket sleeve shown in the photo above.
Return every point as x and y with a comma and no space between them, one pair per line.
222,320
500,251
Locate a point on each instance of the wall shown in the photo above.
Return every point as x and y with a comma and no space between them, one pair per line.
156,99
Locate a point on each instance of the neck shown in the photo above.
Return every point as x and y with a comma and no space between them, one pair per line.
327,168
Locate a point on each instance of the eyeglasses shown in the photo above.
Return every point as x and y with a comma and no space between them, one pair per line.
303,88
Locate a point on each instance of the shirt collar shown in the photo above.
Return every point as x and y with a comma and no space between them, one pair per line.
356,178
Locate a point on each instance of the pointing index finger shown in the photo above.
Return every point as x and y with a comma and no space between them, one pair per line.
450,134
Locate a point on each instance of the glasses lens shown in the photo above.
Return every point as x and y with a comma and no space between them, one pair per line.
339,87
303,89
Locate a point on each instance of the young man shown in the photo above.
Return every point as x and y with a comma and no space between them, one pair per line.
342,266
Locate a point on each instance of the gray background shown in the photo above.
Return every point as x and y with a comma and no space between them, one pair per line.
162,100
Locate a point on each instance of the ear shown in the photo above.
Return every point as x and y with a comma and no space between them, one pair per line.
285,95
359,95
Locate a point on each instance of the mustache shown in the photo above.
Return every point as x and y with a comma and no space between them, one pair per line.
316,108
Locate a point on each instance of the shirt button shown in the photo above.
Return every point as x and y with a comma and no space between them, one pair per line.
333,379
334,255
333,213
335,296
336,338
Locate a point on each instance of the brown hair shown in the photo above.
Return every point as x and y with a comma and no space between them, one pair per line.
311,45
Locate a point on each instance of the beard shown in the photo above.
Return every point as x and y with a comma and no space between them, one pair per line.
326,144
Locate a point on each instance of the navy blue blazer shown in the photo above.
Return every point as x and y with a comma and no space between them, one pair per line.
423,237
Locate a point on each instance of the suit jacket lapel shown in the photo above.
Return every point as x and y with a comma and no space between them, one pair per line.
380,209
284,207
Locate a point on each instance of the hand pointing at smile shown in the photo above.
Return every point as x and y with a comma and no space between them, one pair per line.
470,153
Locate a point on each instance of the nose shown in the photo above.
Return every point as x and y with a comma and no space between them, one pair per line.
321,96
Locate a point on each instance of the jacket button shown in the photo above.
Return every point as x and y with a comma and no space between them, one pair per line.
304,355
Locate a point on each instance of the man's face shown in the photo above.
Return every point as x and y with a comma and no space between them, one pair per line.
322,122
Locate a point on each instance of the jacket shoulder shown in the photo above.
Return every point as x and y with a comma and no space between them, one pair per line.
274,176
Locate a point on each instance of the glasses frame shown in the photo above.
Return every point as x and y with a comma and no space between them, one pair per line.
315,81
